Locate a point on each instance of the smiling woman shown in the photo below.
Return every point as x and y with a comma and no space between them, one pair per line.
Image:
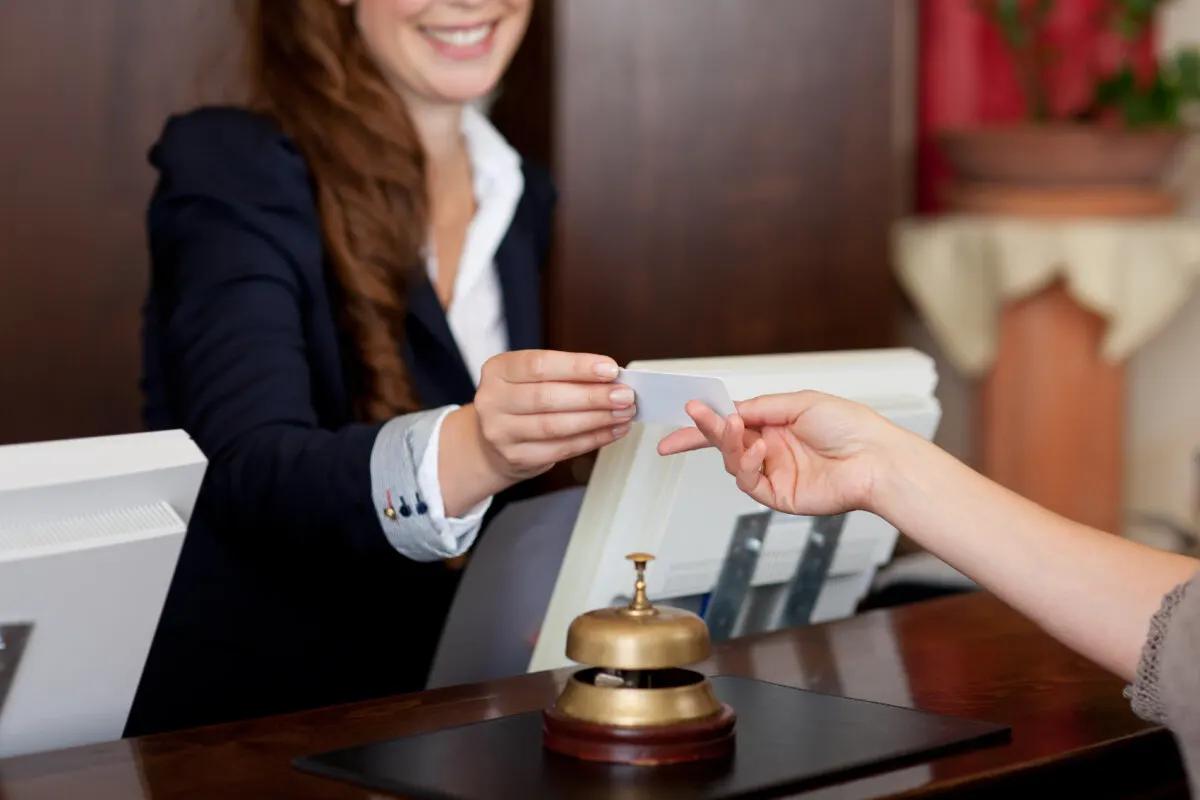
441,51
344,314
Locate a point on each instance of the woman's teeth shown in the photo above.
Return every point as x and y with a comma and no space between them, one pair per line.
461,37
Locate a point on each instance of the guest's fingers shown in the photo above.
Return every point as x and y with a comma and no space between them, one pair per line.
777,409
708,422
750,467
682,441
733,443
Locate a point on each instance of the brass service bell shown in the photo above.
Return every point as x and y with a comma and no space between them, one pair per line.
634,703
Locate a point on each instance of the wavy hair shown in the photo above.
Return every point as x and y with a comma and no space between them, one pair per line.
309,69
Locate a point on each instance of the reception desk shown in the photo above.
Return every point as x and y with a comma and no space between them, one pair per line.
969,656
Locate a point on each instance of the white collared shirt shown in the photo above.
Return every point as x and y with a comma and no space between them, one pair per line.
476,318
476,312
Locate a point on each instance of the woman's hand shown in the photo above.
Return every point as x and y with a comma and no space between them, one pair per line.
533,409
539,407
801,453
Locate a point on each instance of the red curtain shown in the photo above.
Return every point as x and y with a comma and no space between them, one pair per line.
966,77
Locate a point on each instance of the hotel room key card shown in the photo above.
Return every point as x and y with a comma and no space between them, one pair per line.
661,396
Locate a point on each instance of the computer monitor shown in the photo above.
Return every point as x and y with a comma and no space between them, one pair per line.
718,551
90,531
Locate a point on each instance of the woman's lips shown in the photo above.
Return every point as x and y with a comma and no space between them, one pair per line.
463,41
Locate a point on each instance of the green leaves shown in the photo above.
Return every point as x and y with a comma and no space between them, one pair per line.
1187,70
1131,17
1021,24
1019,21
1157,101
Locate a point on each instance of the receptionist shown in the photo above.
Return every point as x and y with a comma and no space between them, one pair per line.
1129,608
344,315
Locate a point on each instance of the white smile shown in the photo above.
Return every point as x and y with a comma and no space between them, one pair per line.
461,37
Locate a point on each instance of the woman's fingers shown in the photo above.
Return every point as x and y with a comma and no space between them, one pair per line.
543,454
536,407
563,425
557,396
537,366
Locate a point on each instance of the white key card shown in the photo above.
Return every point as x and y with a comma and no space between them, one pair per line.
661,396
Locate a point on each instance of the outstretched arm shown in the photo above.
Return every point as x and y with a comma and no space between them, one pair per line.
809,453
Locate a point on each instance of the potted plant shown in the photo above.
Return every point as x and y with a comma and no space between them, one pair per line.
1108,157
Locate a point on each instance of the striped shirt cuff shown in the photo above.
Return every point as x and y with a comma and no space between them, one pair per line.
407,494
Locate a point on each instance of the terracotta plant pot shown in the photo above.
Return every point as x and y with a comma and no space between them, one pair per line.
1061,154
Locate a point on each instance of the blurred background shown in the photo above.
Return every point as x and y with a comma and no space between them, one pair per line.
1006,184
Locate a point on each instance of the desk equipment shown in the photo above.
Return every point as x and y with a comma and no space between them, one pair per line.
636,724
788,740
1073,734
90,531
635,704
687,511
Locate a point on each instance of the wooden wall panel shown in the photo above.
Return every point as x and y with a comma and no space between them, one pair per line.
724,170
84,90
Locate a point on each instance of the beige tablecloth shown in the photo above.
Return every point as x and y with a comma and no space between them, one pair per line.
960,271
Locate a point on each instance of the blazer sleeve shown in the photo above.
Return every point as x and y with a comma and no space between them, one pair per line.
236,252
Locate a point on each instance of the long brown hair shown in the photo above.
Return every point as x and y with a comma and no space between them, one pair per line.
310,71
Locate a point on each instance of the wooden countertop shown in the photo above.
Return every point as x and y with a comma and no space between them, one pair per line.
968,656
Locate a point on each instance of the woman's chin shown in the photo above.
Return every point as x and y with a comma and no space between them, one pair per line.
461,89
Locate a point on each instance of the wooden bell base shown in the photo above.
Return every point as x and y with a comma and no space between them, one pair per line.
711,737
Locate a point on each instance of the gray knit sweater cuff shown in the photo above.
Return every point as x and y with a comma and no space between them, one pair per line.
1145,695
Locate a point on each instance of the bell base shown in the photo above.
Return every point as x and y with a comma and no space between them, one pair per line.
695,740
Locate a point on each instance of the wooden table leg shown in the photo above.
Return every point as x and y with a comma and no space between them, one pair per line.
1052,410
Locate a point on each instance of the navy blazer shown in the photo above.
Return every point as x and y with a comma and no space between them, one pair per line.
287,594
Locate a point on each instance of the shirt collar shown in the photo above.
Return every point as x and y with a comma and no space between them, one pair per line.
493,160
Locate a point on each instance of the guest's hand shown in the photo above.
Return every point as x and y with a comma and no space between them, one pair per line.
539,407
802,453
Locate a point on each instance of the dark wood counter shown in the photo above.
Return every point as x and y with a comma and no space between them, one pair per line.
1072,732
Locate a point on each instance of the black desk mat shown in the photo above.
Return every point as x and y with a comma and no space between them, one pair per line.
787,740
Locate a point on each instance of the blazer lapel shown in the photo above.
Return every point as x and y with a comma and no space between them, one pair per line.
434,347
431,349
520,284
424,305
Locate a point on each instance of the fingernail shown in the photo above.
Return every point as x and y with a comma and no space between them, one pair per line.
620,431
624,413
605,369
621,397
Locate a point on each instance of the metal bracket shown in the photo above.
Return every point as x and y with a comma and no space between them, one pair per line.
733,584
812,570
12,645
